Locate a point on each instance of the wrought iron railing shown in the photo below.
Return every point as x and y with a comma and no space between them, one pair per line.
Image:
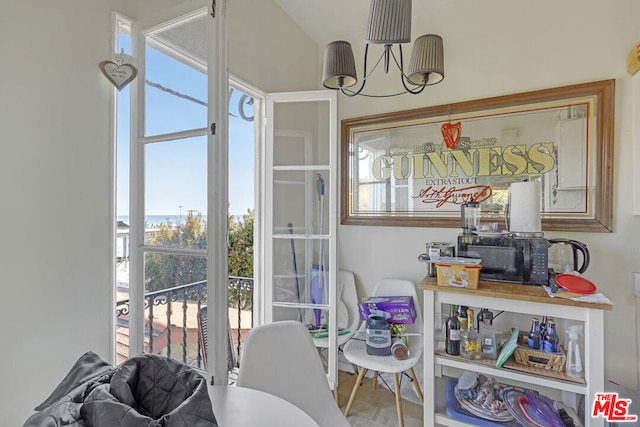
190,299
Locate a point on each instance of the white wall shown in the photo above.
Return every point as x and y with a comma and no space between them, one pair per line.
501,47
54,170
54,175
268,50
55,202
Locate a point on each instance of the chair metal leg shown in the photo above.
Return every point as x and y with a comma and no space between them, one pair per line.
354,392
416,385
396,383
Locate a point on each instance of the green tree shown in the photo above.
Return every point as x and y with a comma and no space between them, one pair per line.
241,245
163,271
241,258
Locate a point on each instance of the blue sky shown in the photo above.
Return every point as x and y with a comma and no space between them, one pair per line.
176,170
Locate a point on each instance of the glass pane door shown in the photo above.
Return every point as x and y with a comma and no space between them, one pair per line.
301,212
172,169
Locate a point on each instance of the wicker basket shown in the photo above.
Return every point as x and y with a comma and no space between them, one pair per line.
540,359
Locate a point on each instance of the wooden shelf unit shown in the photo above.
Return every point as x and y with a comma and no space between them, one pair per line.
521,300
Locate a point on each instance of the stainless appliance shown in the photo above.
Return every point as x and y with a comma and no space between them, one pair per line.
438,249
566,256
508,258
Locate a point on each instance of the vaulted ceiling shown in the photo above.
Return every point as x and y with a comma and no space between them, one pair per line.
328,20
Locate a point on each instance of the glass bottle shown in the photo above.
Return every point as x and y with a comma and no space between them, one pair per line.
452,337
462,316
534,334
551,340
488,340
543,330
482,314
470,339
574,359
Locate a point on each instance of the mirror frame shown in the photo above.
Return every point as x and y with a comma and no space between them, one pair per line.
604,93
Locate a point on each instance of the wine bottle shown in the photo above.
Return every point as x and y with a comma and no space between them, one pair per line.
462,316
452,338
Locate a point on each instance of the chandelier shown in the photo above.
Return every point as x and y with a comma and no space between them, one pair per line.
389,23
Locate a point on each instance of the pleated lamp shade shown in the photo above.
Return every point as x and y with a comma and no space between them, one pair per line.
339,66
427,60
389,22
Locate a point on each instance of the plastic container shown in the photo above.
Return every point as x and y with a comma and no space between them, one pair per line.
458,275
378,340
574,367
488,344
399,349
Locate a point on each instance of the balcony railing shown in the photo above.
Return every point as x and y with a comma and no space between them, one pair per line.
168,332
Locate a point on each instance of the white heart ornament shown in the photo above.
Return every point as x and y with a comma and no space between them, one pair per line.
119,75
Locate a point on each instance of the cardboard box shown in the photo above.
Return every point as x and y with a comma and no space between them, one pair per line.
458,275
398,309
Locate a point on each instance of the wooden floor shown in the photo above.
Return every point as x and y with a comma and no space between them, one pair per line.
375,408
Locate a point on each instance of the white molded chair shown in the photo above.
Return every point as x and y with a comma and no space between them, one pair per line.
280,358
348,307
355,350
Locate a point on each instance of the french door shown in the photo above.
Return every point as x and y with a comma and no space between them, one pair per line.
179,161
300,207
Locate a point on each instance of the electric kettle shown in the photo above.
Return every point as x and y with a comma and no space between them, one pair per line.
564,256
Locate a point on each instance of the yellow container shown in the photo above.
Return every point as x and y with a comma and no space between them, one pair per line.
458,276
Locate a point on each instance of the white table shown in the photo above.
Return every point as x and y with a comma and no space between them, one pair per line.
241,406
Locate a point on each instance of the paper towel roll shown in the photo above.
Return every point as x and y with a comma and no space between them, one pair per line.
525,207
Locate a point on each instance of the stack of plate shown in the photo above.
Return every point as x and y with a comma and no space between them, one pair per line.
532,409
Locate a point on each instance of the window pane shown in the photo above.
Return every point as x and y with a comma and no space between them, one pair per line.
299,262
175,291
176,193
241,153
123,100
301,198
298,140
176,81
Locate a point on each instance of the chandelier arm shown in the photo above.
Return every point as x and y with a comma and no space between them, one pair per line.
349,92
404,78
374,96
352,93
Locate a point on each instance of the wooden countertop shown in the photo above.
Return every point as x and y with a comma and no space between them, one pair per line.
512,291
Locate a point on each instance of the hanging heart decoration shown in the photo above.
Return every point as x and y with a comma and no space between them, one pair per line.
119,75
451,133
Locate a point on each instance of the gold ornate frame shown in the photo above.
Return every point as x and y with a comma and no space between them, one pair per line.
402,143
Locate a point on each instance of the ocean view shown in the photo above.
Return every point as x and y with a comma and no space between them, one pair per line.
160,219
